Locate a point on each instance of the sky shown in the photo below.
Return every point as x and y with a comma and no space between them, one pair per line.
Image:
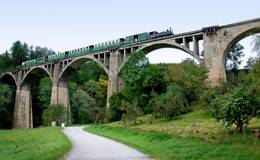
69,24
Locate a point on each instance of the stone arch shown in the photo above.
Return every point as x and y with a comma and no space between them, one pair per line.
76,63
160,45
34,69
11,76
239,36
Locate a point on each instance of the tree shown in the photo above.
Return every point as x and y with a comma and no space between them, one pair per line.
19,53
237,107
44,92
115,111
256,44
189,76
132,111
5,60
84,103
39,52
54,112
141,79
134,71
172,103
6,106
234,57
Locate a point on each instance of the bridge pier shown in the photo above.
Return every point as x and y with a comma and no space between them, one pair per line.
214,56
113,75
60,95
23,108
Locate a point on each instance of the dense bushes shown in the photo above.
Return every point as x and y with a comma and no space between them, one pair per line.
54,113
88,94
165,90
171,103
6,105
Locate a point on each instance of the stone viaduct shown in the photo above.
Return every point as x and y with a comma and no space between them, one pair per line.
216,42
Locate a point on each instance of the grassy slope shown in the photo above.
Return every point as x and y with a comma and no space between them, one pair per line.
191,136
40,144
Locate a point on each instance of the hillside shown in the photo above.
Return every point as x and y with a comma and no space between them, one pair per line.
191,136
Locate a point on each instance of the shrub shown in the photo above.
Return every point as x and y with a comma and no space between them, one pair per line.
171,103
236,107
132,111
54,112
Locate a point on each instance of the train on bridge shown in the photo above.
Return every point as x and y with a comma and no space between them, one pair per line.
97,48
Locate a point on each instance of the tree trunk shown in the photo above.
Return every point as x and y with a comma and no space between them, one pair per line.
240,126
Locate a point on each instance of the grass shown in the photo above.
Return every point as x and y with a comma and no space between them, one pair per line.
192,136
40,144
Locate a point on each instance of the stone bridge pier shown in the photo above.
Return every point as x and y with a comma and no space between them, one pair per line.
22,117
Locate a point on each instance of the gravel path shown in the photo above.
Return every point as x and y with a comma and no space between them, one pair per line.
87,146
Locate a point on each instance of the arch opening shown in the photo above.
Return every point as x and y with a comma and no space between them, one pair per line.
7,95
38,82
154,50
87,83
75,65
154,47
239,54
169,55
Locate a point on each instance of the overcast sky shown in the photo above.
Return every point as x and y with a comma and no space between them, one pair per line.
69,24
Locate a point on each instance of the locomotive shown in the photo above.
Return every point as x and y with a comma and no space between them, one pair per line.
97,47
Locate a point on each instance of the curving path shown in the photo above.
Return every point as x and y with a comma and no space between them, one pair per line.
87,146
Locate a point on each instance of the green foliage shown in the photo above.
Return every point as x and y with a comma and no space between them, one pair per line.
6,106
84,103
88,89
237,107
19,53
39,52
167,90
88,71
44,92
5,61
234,57
171,103
140,76
90,103
54,112
115,111
131,112
190,76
